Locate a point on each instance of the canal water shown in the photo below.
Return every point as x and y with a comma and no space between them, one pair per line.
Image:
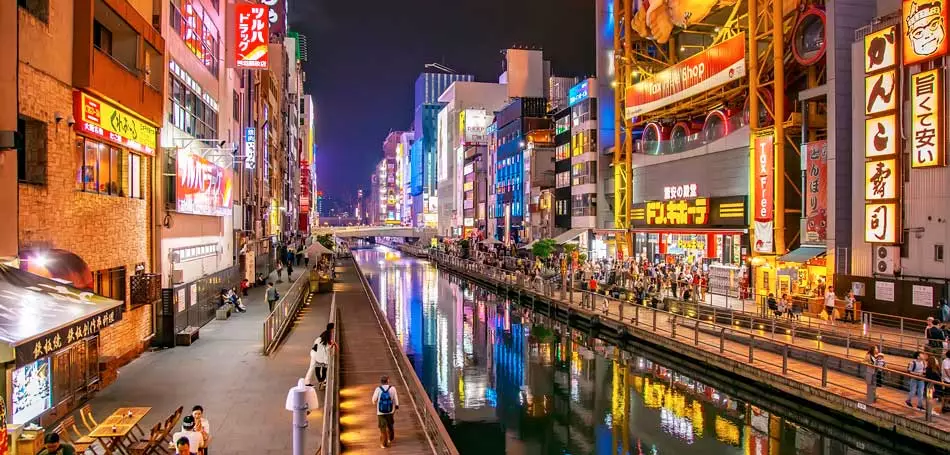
507,381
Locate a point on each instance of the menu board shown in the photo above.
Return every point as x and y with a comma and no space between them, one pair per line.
724,280
32,391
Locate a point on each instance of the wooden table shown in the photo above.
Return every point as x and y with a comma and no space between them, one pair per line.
122,422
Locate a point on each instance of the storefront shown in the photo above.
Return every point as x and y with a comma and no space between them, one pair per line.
698,230
50,348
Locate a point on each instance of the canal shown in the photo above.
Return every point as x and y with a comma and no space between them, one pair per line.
506,380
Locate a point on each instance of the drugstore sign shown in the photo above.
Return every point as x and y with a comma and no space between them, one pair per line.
203,188
95,117
252,33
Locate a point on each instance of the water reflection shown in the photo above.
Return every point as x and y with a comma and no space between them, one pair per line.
509,381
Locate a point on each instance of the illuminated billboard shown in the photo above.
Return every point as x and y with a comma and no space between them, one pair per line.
925,30
101,119
251,35
203,188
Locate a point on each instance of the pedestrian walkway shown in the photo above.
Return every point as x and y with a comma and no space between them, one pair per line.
242,391
365,357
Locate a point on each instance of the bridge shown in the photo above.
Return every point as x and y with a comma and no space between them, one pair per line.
378,231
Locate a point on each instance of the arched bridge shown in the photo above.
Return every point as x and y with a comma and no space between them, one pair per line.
377,231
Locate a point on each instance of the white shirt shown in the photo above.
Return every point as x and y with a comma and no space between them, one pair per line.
320,354
945,366
195,440
392,394
830,299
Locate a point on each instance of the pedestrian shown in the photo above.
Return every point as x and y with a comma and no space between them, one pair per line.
935,337
183,446
195,440
280,271
387,403
943,311
320,357
830,304
245,285
272,296
290,271
53,446
932,373
202,426
849,307
875,359
945,376
917,367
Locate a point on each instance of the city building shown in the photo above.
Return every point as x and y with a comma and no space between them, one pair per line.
403,180
390,188
309,216
423,176
79,189
462,145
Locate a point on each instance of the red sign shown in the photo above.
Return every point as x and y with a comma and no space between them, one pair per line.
816,191
252,35
764,178
99,118
718,65
203,188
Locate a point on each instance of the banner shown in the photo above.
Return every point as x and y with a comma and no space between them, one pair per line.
98,118
718,65
251,35
203,188
764,191
816,191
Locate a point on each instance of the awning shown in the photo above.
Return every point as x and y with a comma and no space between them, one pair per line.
803,254
317,249
490,241
571,234
39,316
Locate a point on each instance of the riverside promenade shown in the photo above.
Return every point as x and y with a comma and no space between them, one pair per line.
782,356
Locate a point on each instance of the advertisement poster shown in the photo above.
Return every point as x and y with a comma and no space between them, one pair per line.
925,31
252,30
32,391
764,191
718,65
816,191
923,296
203,188
103,120
884,290
764,237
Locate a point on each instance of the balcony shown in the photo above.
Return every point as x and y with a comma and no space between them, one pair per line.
117,54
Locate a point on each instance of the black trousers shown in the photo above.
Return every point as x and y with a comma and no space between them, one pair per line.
321,373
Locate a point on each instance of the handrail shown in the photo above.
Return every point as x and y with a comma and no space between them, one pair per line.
330,444
734,335
440,442
278,321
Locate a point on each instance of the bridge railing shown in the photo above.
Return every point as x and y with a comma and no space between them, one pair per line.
438,437
330,440
718,335
278,322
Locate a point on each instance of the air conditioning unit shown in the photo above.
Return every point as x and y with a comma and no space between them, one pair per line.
886,259
178,276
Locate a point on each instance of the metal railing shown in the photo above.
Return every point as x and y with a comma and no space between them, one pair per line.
810,366
330,441
439,440
279,320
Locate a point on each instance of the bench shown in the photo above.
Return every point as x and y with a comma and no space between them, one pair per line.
187,336
223,313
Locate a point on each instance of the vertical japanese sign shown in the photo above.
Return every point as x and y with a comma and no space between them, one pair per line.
251,35
250,148
764,193
925,30
882,169
816,191
927,136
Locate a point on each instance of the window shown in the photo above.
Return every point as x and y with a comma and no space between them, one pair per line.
562,125
236,107
110,283
191,112
101,37
563,152
30,143
938,252
38,8
168,175
135,176
584,205
563,179
197,29
905,245
103,169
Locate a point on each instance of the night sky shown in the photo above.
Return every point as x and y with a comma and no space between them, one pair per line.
364,58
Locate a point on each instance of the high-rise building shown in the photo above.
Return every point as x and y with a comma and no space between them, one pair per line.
403,180
423,155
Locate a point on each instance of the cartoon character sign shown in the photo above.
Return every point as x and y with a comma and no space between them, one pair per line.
925,33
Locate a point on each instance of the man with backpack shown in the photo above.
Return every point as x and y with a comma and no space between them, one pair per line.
387,402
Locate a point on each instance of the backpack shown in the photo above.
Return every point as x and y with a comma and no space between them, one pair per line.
385,403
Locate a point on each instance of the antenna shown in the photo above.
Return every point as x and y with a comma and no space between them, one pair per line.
440,67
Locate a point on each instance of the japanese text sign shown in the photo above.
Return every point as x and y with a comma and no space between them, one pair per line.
678,213
251,35
49,343
880,92
764,153
880,50
880,180
98,118
203,188
816,191
925,30
880,136
881,222
927,134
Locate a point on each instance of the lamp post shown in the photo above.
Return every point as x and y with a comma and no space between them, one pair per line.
300,400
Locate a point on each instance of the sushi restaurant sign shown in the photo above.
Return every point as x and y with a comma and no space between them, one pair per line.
48,343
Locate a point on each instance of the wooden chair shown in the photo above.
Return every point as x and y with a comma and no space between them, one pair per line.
85,413
151,445
80,441
170,423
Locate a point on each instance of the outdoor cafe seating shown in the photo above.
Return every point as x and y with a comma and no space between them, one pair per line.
120,433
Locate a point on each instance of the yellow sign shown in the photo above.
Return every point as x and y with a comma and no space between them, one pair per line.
99,118
926,141
681,212
880,136
880,92
274,217
880,180
881,222
880,49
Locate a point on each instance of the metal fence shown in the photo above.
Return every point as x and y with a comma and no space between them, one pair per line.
330,444
279,320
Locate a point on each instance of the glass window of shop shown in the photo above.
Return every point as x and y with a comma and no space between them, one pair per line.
584,173
107,169
190,111
110,283
691,247
75,368
562,125
584,205
563,179
562,152
581,112
197,29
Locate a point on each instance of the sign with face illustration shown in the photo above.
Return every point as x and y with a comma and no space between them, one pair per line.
925,30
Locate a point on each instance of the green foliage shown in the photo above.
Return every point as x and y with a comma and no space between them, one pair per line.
543,248
570,248
464,244
327,241
582,257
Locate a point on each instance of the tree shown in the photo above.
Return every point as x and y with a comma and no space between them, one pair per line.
327,241
543,248
570,248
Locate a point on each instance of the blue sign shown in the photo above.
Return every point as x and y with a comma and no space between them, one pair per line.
250,147
578,93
